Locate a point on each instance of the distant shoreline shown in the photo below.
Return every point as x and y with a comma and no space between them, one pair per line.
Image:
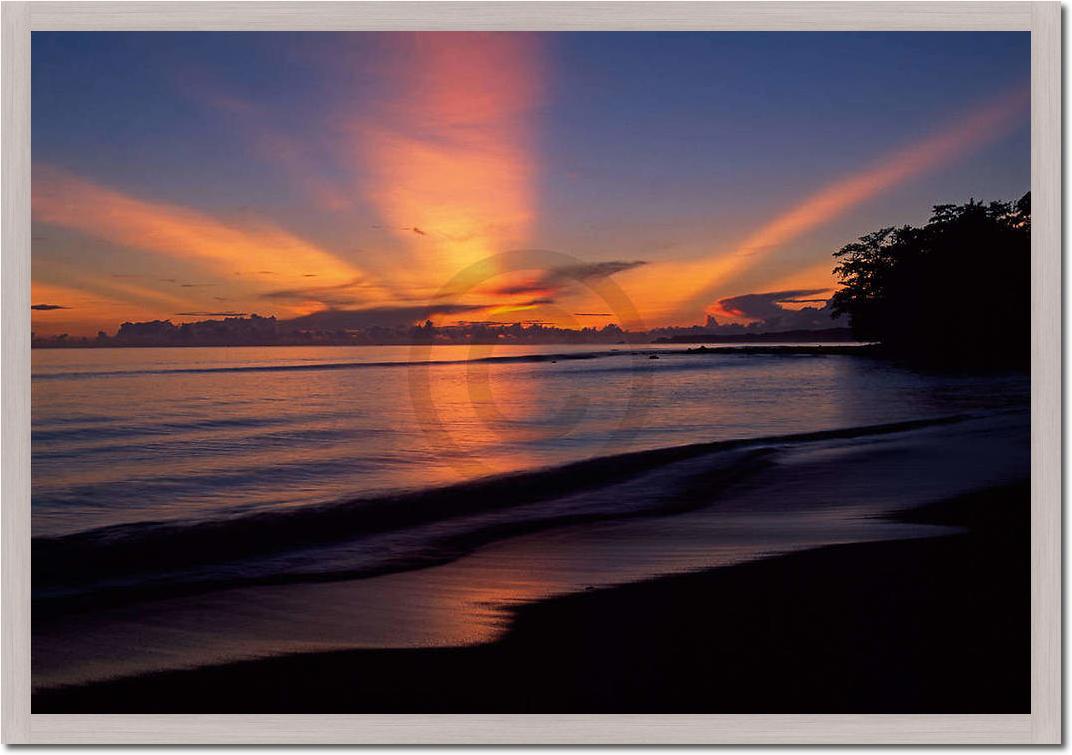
745,345
262,332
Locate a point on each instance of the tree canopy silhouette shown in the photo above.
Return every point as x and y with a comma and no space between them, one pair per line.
956,291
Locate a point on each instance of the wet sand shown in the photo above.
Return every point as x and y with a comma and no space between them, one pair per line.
932,625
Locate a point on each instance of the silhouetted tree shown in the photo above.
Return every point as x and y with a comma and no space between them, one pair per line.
956,291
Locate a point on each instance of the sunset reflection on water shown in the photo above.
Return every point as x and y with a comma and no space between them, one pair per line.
154,440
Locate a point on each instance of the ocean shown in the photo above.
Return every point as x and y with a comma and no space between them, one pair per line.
192,506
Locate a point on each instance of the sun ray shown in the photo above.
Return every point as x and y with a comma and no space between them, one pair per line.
449,158
966,134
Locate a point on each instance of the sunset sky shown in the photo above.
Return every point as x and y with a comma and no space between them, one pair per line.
186,175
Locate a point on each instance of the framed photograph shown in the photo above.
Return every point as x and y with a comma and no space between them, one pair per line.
506,372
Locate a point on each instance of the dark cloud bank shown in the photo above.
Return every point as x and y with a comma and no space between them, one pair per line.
410,324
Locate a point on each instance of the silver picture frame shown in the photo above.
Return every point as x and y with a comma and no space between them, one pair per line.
1041,726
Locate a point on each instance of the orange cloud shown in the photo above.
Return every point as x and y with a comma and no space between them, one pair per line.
723,310
65,200
449,157
83,311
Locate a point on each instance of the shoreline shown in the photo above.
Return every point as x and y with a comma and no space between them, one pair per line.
933,625
65,560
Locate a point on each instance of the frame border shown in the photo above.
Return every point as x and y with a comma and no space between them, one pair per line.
1042,726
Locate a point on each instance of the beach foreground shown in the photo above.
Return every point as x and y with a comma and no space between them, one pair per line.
932,625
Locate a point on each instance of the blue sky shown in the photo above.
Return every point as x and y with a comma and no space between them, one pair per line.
173,169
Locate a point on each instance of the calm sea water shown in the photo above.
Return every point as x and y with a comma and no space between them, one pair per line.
141,435
200,506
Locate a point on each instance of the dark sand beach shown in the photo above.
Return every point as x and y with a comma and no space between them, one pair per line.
933,625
